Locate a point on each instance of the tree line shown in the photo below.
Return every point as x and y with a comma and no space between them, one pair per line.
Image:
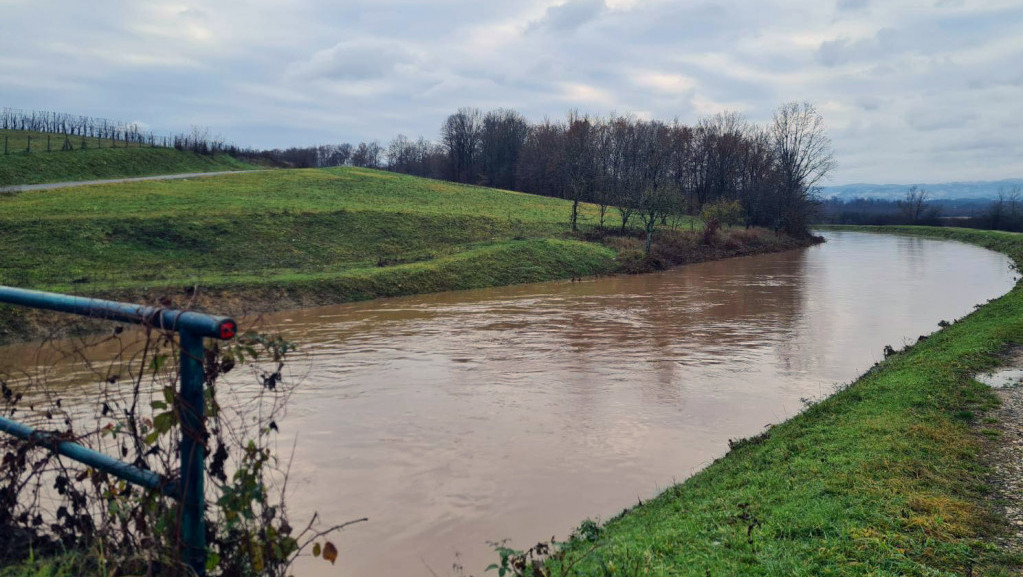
198,140
917,207
644,172
637,171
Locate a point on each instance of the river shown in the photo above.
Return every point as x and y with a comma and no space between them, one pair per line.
515,413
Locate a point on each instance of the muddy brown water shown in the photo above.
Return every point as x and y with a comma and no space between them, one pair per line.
455,419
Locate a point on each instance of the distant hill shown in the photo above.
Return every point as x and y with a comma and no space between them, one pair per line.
979,190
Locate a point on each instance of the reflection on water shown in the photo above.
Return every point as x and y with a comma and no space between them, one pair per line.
454,419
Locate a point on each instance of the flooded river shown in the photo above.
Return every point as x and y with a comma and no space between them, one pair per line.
515,413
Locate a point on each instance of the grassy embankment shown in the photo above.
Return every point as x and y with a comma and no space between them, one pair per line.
99,160
287,238
886,477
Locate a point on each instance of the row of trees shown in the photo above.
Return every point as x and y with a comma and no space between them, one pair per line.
198,140
917,207
81,126
637,169
365,154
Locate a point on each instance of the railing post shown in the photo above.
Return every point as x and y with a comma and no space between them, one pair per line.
193,522
191,328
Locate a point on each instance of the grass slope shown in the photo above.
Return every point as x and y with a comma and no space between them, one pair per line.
296,236
886,477
282,224
97,161
281,239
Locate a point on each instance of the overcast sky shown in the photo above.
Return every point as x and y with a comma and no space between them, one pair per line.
912,91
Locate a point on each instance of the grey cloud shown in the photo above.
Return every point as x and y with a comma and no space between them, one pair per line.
885,44
930,120
852,5
569,16
909,83
355,60
833,52
869,103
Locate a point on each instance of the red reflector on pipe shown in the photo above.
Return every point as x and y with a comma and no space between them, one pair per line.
228,330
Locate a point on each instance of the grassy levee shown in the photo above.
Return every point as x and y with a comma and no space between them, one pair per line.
97,161
885,477
253,242
285,238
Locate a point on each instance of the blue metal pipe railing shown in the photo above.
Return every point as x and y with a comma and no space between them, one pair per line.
99,461
199,324
192,327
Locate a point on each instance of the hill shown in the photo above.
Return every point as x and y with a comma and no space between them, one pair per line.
978,190
24,159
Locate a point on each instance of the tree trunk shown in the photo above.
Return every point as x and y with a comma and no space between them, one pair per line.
575,211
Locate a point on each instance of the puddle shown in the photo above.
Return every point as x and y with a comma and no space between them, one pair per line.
1002,379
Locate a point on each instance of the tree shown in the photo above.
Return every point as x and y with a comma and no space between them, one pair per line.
579,161
656,195
913,204
401,155
461,136
541,168
1003,214
504,133
803,157
368,155
625,168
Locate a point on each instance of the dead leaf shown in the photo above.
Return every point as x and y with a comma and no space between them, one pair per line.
330,552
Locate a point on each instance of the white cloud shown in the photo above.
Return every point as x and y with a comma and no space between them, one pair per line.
674,84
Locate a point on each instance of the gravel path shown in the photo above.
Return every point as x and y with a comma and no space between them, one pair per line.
1007,461
52,185
1005,452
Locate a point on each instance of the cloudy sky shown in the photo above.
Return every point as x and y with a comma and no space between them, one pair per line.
912,91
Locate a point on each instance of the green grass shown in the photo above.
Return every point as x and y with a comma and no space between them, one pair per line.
886,477
98,160
316,236
277,239
281,224
20,141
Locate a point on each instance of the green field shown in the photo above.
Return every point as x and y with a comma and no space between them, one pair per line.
311,236
886,477
284,224
98,160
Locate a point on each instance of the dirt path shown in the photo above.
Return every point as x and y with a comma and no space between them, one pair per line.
1005,451
52,185
1007,461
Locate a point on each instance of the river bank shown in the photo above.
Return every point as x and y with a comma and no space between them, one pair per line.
891,475
246,244
492,265
455,418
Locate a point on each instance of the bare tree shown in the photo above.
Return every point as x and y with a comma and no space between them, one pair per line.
541,167
579,161
914,203
503,135
803,158
461,135
657,196
368,155
1003,214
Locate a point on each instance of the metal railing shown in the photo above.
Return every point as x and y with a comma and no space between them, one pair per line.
192,328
